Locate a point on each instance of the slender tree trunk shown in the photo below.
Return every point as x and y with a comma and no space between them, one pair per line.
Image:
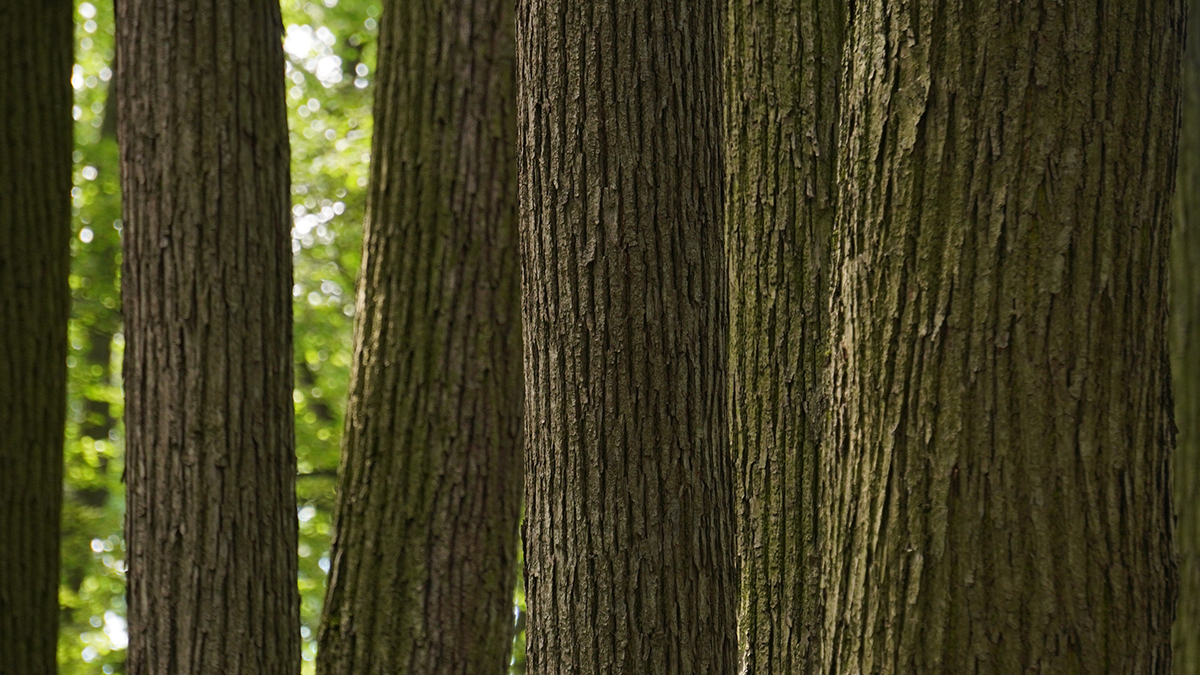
629,519
429,490
210,465
1185,358
998,487
783,65
36,46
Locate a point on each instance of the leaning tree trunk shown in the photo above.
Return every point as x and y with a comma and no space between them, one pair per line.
210,465
997,491
429,491
783,65
629,521
36,46
1185,358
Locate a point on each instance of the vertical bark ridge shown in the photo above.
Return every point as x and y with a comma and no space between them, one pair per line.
629,522
782,70
1002,426
210,468
430,484
36,47
1185,357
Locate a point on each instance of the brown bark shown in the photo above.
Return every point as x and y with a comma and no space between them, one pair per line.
629,522
1185,358
998,484
783,67
210,465
36,46
429,489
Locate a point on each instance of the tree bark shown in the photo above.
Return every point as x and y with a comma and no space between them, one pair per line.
429,491
998,483
36,52
210,465
629,520
783,67
1185,358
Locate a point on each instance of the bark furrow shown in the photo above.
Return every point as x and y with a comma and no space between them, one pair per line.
1185,358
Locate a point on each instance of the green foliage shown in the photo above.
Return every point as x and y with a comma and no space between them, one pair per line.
92,590
330,49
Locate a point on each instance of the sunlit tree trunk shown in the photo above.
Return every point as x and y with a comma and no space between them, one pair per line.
997,491
429,489
36,46
210,466
629,521
782,65
1185,358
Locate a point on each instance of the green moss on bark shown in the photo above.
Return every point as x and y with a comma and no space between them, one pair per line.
782,70
997,489
429,491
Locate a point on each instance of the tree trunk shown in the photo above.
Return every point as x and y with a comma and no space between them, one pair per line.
783,66
998,486
210,466
629,517
429,490
1185,358
36,47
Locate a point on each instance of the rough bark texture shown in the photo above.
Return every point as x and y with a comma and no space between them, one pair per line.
1185,358
997,495
429,490
629,521
210,465
783,65
36,45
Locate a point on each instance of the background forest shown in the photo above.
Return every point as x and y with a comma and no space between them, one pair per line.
330,49
828,342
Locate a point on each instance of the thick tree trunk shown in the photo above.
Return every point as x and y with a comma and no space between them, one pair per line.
429,490
36,46
1185,358
783,65
997,491
210,466
629,521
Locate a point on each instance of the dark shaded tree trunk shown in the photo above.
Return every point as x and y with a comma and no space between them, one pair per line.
429,490
210,464
997,492
629,521
1185,358
36,47
783,65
